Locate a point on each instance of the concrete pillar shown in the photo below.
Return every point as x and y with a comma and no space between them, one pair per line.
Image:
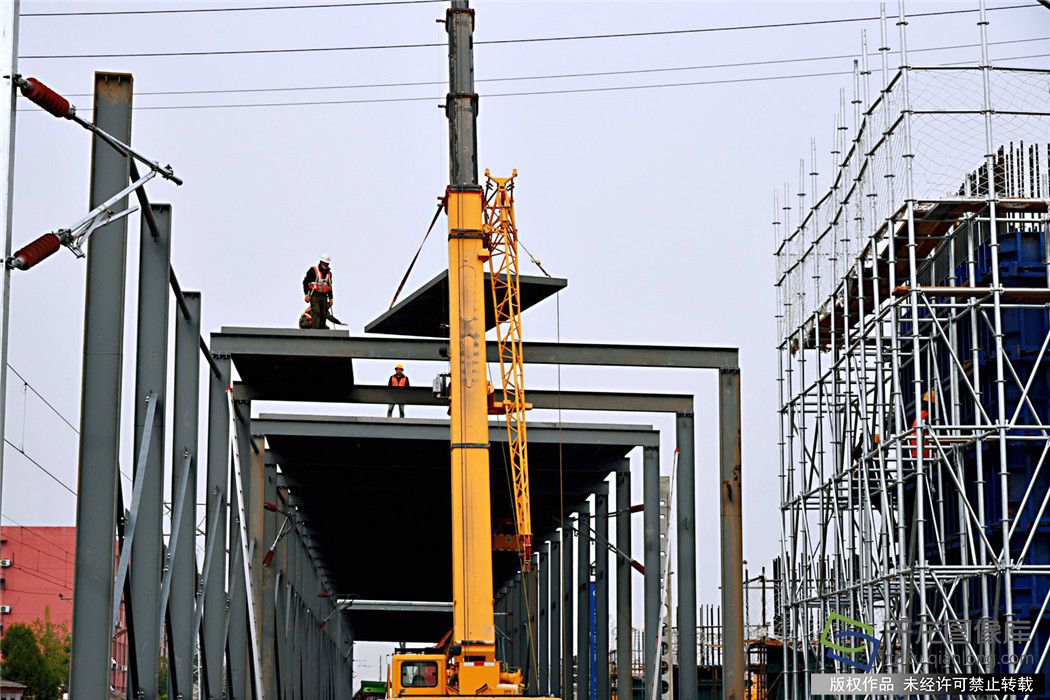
100,401
624,681
686,502
601,582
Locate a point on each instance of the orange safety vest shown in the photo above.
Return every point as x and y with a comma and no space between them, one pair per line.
321,283
395,381
912,442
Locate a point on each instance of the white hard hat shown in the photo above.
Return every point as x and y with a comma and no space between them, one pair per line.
326,259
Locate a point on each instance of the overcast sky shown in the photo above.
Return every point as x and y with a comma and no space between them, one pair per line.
655,203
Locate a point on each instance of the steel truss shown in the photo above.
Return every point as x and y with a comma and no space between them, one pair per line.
913,325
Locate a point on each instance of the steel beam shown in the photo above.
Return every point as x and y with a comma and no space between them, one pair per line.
429,429
543,619
651,539
583,602
554,672
568,593
733,668
100,400
539,398
624,622
212,661
311,343
685,494
601,582
184,441
400,606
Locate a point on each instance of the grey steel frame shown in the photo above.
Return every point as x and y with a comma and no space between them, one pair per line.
263,342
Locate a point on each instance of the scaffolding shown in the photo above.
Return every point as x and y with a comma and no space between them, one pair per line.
913,307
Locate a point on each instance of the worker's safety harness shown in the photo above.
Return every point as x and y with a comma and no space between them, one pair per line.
322,282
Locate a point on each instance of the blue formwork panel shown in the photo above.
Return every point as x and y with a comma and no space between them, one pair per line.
1022,263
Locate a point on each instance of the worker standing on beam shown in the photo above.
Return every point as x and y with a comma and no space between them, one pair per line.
317,288
397,379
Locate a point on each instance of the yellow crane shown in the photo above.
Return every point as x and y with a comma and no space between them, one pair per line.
466,664
501,236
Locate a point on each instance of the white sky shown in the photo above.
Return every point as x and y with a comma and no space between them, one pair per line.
656,204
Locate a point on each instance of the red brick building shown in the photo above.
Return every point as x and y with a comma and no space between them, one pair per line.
36,582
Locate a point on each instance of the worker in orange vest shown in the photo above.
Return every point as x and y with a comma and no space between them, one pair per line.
928,452
317,288
398,378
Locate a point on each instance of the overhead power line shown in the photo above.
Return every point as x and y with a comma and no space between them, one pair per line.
41,397
528,93
198,10
41,467
551,76
522,40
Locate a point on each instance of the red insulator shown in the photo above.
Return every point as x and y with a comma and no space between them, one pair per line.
43,247
268,559
47,98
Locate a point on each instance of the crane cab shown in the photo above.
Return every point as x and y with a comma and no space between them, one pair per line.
418,675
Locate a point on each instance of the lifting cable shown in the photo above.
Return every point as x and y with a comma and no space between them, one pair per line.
440,208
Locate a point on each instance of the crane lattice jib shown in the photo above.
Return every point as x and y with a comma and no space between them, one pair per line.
501,234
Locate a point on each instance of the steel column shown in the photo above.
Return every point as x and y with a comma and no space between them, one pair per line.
651,539
212,671
531,599
238,663
732,536
100,400
151,376
583,603
624,680
568,593
601,581
543,620
254,476
555,579
9,17
686,534
184,440
267,608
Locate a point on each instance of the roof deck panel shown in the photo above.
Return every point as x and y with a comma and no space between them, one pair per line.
424,312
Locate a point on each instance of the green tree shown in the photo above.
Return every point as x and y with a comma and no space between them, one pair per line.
23,662
162,678
56,644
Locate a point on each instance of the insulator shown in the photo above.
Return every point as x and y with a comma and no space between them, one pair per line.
43,247
51,101
268,559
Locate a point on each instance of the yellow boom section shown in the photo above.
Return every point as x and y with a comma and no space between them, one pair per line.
501,233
